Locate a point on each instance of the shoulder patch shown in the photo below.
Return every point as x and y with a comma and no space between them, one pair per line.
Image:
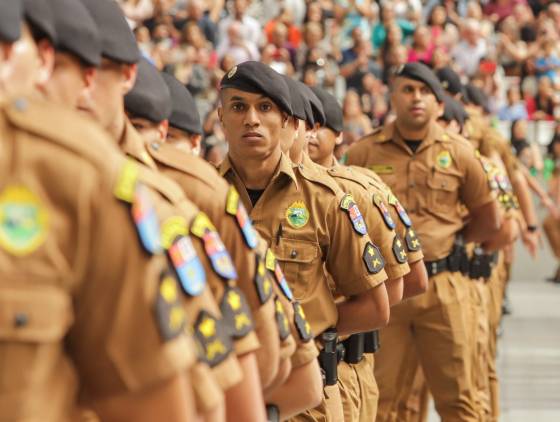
187,265
403,215
24,220
372,258
398,250
301,323
219,257
382,207
171,229
126,181
236,313
281,320
347,204
235,208
412,241
262,281
274,267
146,220
212,337
169,312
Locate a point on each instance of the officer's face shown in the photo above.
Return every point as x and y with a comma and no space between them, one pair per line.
321,148
252,124
68,80
150,131
19,66
414,103
189,143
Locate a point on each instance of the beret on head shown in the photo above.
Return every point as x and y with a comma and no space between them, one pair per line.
476,96
149,98
184,113
422,73
40,15
317,112
453,110
300,107
333,110
76,31
11,15
259,78
450,80
117,40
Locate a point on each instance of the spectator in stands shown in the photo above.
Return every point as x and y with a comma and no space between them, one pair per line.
511,49
206,20
356,123
471,49
356,61
422,48
249,28
543,105
286,18
515,108
388,18
236,45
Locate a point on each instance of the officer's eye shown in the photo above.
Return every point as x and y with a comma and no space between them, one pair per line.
425,90
265,107
238,106
408,89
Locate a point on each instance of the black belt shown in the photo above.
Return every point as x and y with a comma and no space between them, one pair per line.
354,348
456,261
435,267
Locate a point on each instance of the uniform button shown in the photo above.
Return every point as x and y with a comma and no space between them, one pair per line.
293,254
155,146
20,320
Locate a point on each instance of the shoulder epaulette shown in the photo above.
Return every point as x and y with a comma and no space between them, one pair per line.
347,173
318,175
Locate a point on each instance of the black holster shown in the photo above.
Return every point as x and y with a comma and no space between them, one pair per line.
354,348
328,356
272,413
371,341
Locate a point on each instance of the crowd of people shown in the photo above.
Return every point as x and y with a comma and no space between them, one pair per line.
267,210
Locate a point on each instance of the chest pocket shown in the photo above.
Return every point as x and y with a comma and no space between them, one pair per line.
300,262
444,191
33,322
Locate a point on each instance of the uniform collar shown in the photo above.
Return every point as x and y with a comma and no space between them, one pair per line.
285,167
436,133
133,145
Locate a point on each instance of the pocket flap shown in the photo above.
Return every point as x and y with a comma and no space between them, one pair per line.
444,182
34,313
293,250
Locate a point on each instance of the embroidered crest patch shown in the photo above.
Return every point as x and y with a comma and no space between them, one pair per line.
146,220
262,280
213,338
236,313
412,242
297,215
398,250
171,229
301,323
373,258
235,208
187,265
24,220
170,315
347,204
281,320
382,207
126,182
273,266
444,160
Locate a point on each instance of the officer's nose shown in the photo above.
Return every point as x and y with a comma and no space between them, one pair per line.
251,117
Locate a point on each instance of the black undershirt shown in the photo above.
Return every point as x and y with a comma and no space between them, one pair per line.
413,144
254,195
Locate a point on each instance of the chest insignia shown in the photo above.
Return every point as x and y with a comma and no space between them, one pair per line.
444,160
23,221
383,169
297,215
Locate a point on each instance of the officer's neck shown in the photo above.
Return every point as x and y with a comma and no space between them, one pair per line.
407,132
256,173
117,126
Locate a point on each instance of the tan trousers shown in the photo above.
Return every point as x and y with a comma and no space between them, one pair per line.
358,390
430,330
330,409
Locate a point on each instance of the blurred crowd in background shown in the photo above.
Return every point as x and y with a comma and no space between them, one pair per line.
508,48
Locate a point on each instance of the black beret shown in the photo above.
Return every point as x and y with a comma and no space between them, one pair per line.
450,80
333,110
317,112
39,14
149,98
422,73
476,96
76,31
117,40
259,78
454,110
300,107
184,113
11,15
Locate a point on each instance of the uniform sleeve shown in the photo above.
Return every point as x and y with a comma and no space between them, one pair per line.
380,226
123,340
475,191
208,394
353,260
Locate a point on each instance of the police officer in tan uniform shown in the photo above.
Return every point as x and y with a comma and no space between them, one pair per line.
73,316
432,175
301,215
106,104
200,181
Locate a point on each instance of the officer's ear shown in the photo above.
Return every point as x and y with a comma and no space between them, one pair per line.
45,50
285,119
129,73
338,139
163,128
221,115
440,109
196,142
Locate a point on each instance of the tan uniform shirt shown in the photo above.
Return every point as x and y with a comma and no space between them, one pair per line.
82,306
189,223
431,182
398,213
302,217
220,201
380,224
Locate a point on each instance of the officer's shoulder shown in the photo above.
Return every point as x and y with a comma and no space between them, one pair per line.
460,143
318,176
348,173
66,128
376,135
